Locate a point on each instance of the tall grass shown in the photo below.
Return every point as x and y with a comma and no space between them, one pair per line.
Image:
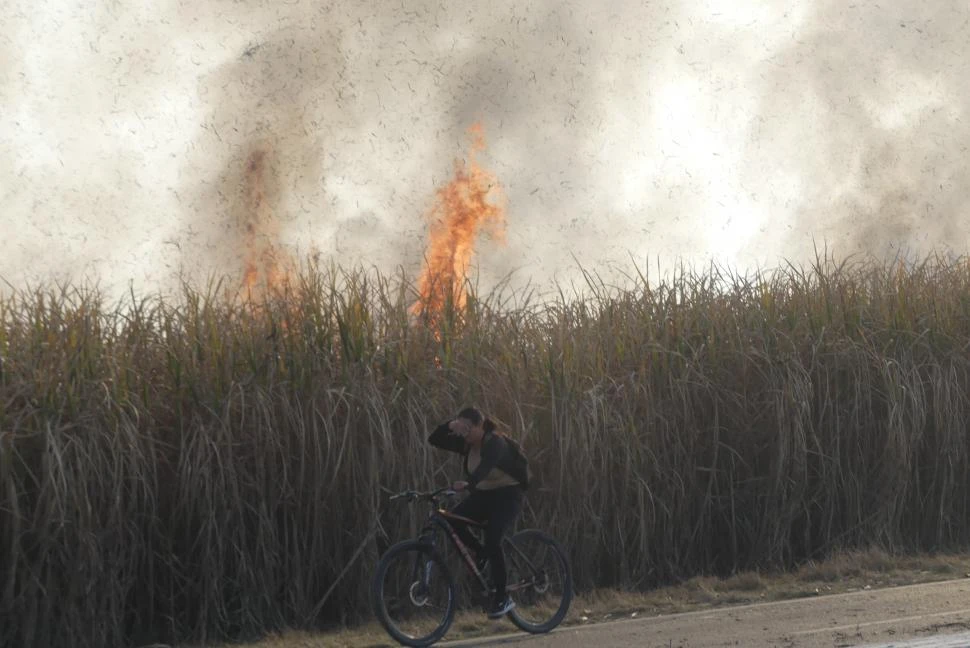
206,467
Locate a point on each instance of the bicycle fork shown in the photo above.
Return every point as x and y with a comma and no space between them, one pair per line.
421,573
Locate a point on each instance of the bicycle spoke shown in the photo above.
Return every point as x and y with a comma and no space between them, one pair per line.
414,596
542,588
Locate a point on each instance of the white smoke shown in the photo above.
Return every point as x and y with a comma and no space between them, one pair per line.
744,131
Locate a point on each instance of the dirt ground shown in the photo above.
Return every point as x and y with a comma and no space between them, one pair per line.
935,614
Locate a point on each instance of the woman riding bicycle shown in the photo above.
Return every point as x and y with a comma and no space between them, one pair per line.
497,474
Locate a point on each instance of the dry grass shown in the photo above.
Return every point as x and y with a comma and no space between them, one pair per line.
204,467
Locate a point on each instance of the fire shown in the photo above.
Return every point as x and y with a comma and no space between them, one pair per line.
266,266
470,202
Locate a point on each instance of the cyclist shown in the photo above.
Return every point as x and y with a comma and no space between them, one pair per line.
496,476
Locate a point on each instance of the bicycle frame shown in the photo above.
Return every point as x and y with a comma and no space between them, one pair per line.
513,558
438,518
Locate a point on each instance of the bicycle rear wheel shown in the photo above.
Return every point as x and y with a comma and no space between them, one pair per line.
413,594
539,581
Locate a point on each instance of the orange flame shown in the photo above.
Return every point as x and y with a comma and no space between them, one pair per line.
471,201
266,265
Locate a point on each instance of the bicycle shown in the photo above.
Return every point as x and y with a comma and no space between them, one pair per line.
414,593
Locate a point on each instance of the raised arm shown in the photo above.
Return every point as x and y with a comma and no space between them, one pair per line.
444,438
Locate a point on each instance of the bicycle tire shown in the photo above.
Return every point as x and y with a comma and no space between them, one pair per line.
397,552
517,614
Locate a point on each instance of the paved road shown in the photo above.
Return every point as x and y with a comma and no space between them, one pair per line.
914,616
961,640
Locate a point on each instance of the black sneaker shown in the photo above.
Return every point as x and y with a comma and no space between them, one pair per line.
500,608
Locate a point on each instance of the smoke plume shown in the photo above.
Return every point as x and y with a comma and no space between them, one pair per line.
141,143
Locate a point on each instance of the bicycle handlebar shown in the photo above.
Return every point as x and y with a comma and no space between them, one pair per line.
430,496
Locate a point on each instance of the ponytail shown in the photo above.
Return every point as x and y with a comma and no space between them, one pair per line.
489,426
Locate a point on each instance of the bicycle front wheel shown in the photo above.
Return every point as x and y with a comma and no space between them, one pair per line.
539,581
413,594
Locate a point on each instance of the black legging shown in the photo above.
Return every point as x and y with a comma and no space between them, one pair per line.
498,508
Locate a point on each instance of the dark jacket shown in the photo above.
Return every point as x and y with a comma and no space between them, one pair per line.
497,452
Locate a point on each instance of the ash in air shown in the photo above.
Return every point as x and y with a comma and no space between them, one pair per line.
141,143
